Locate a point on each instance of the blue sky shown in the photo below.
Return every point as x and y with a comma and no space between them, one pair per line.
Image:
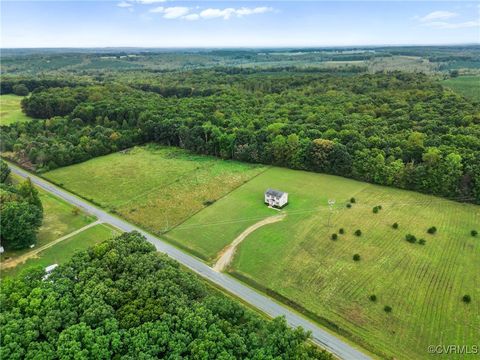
156,23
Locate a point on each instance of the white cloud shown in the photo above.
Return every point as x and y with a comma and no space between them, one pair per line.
186,13
438,20
147,2
124,4
447,25
173,12
438,15
192,17
227,13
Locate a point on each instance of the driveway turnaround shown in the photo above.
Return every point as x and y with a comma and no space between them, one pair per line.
265,304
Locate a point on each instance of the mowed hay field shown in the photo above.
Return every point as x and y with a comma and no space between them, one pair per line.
468,86
10,110
296,258
154,187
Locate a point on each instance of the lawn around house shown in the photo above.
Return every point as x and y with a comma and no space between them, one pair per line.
10,110
63,251
152,186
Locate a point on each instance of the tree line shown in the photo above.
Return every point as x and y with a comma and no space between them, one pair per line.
123,300
21,212
395,129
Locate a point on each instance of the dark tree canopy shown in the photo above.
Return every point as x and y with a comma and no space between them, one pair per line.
123,300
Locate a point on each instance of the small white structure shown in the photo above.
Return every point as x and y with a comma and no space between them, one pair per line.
2,250
276,198
48,271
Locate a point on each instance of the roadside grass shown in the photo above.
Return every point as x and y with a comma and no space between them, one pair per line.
63,251
154,187
468,86
10,110
297,259
59,220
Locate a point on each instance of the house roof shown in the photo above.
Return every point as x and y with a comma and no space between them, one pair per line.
276,193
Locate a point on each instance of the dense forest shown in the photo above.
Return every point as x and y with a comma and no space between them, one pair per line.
123,300
395,128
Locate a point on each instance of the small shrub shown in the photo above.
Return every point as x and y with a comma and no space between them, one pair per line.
334,236
474,233
349,205
341,231
466,299
375,209
373,297
352,200
422,242
358,232
432,230
411,238
395,225
356,257
379,207
75,211
387,309
208,202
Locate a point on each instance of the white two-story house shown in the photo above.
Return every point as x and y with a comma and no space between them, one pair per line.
276,198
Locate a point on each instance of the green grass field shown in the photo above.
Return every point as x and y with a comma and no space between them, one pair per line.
297,258
58,220
154,187
62,252
468,86
10,110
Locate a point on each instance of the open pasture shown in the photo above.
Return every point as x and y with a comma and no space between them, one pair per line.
10,110
297,258
468,86
154,187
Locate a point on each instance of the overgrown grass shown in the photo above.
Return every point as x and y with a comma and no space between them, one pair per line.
10,110
154,187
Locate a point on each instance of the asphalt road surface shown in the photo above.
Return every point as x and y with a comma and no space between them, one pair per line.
326,340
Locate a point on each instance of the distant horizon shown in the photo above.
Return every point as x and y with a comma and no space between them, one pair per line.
313,47
167,24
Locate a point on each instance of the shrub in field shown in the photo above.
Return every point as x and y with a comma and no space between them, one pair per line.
373,297
432,230
358,232
474,233
352,200
208,202
422,241
356,257
466,299
334,236
411,238
349,205
395,225
379,207
375,209
387,309
341,231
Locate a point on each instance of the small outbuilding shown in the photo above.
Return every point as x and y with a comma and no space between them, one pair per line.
276,198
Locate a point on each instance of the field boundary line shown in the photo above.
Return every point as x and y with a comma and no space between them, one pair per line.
220,198
23,258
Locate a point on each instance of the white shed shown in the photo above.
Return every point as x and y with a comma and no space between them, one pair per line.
276,198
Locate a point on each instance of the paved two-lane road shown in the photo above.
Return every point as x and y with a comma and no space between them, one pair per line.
326,340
